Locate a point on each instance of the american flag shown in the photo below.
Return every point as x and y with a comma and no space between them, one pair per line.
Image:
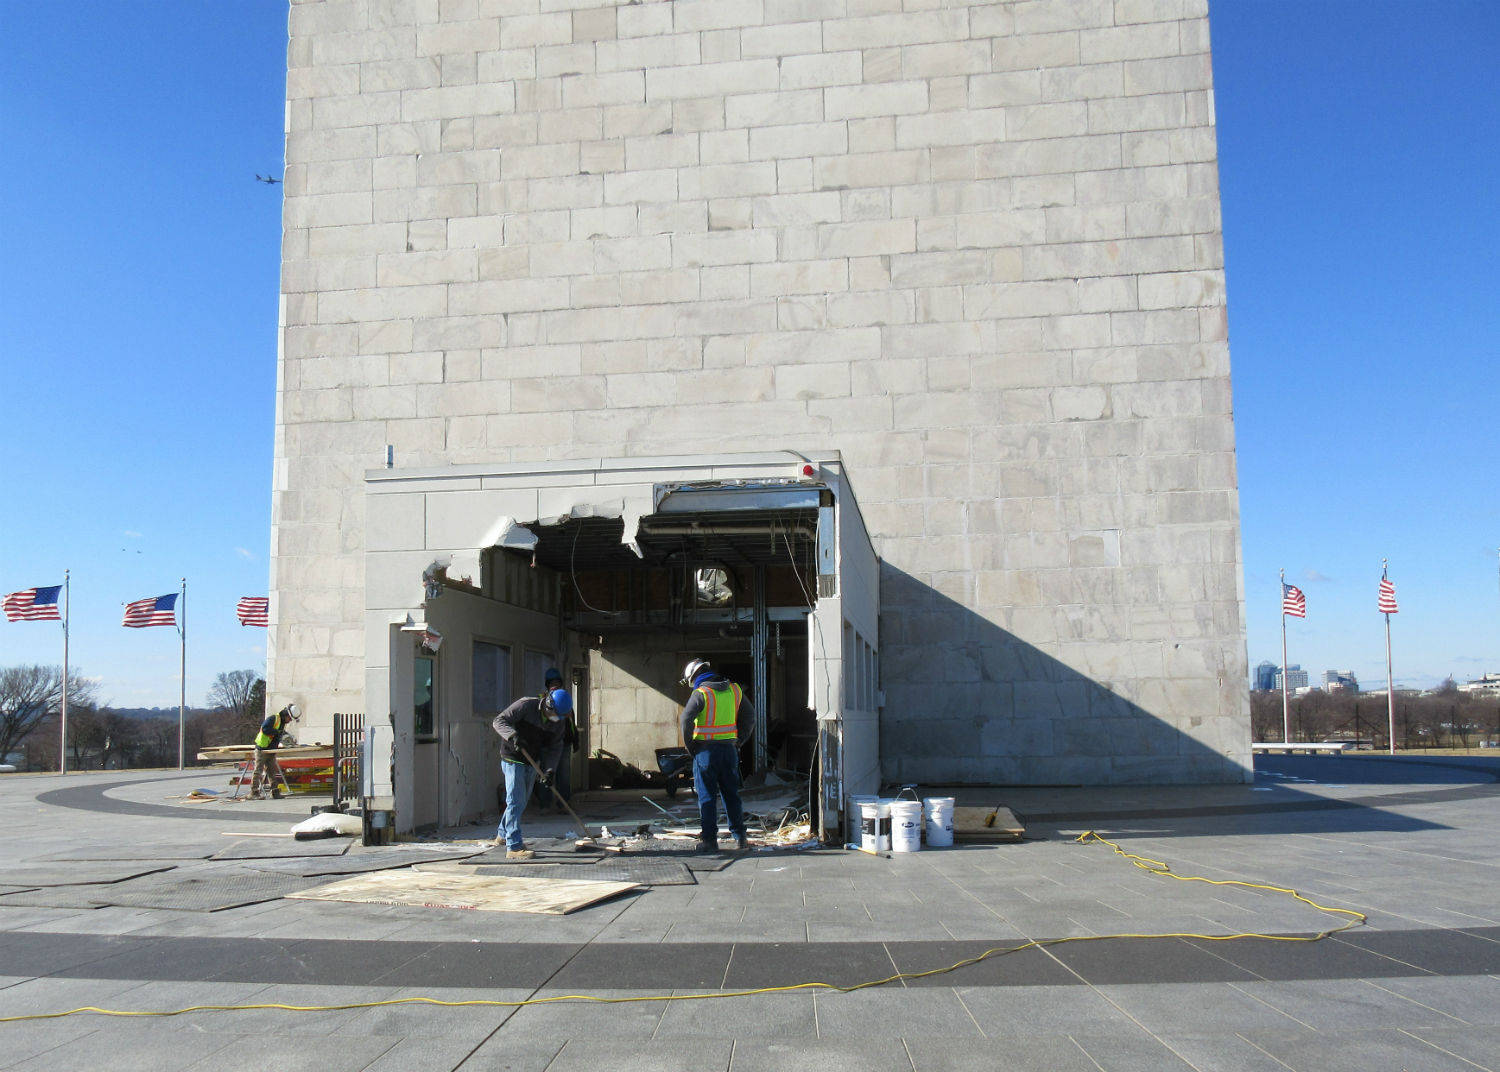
254,610
161,610
1387,597
33,605
1293,602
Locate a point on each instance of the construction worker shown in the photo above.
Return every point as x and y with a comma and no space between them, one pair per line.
710,731
532,726
267,771
561,788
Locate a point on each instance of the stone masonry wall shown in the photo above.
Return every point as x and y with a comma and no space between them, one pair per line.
974,247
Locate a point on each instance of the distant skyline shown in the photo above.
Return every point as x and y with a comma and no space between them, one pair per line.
1358,148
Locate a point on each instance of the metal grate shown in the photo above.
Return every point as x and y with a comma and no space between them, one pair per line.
348,736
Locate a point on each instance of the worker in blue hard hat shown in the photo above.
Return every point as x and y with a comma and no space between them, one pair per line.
531,731
561,789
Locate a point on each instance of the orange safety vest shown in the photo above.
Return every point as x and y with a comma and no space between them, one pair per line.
716,722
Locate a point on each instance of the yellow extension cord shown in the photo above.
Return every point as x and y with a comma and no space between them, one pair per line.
1156,867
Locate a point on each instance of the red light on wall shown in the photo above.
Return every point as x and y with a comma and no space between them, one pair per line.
807,470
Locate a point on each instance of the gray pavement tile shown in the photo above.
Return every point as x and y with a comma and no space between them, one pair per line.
893,1013
645,967
868,1055
782,1016
1145,960
126,1046
465,1023
1196,1008
44,995
1222,1053
1043,1010
1131,1051
512,1055
480,965
1445,952
711,930
1478,1044
1041,1053
421,1052
1474,999
170,996
312,1015
1301,960
22,1041
781,964
670,1055
285,1050
1358,1051
1025,967
1344,1004
630,1019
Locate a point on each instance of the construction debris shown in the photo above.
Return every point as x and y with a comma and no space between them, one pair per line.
986,824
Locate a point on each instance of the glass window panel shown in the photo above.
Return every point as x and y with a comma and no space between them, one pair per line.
422,698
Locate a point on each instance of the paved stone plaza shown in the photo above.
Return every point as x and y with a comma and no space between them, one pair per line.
1412,844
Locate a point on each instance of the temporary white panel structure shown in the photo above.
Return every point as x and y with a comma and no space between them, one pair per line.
476,553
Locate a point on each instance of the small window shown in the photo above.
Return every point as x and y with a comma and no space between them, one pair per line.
491,677
421,695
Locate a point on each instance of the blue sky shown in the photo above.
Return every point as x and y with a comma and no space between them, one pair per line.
138,310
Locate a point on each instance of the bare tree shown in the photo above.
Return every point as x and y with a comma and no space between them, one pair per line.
242,695
29,694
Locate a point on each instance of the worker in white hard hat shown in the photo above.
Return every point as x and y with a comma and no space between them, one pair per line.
710,731
273,731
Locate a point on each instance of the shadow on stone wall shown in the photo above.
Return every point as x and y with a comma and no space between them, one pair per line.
969,703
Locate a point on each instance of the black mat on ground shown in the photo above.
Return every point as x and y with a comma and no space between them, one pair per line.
643,870
202,892
30,875
275,849
52,897
135,853
708,863
550,856
357,860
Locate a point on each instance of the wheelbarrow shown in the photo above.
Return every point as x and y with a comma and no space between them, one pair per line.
676,764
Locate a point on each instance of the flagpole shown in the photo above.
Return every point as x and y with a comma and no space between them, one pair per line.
182,674
1286,711
1390,685
62,751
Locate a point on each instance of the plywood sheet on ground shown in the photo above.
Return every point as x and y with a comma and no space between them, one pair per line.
976,824
554,897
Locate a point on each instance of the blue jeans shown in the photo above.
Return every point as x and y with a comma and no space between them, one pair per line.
716,772
519,779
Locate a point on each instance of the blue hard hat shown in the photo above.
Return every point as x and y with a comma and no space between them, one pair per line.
562,701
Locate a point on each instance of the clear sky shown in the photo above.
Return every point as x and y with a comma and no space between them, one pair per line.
138,312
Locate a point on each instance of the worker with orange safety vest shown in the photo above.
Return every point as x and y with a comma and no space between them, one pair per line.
710,731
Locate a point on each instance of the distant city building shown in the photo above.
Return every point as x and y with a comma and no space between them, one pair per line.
1296,678
1340,681
1265,677
1488,685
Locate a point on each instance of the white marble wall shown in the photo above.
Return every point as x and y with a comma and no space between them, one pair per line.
974,247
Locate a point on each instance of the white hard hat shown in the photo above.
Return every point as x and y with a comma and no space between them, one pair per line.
693,669
293,711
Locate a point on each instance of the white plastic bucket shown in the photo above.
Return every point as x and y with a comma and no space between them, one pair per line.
875,826
851,814
937,813
906,825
